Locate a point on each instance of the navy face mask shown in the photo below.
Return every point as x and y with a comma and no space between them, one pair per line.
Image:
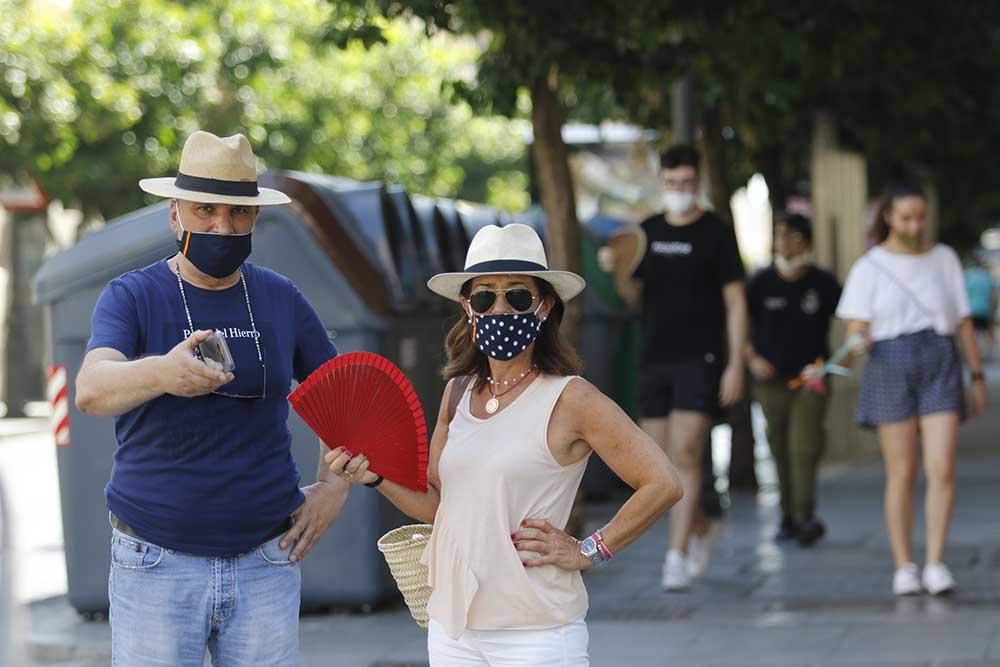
216,255
503,336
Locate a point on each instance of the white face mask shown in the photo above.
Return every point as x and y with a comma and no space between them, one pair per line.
678,203
792,265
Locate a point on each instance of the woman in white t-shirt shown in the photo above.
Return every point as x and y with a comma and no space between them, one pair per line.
907,297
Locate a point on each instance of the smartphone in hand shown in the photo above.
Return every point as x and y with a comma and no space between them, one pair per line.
215,348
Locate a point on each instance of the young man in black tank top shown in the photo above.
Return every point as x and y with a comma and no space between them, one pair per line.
689,286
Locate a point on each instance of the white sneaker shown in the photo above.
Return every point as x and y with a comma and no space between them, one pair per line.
675,571
938,579
906,581
700,550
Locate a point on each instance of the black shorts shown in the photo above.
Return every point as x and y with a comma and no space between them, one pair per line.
683,385
981,323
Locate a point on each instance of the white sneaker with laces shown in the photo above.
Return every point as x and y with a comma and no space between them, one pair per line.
938,579
700,550
675,571
906,581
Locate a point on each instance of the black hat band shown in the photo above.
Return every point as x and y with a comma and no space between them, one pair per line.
217,186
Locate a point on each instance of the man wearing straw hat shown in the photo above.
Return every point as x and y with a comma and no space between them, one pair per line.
209,522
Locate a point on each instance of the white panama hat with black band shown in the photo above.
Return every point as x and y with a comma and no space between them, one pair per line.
215,170
513,249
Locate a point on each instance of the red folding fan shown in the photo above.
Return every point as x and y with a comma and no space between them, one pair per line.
363,402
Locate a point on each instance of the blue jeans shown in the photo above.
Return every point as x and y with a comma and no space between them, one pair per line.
167,607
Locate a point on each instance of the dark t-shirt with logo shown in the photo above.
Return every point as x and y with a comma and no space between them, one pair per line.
683,273
211,475
790,321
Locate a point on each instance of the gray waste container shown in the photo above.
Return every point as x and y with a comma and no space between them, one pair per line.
456,232
321,246
415,330
475,216
533,217
437,242
421,251
369,219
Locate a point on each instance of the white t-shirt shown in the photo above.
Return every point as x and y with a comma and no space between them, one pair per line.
904,294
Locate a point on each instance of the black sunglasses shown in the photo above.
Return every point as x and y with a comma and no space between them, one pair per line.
518,298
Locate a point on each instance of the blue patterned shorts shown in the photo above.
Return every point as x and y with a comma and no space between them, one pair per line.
912,375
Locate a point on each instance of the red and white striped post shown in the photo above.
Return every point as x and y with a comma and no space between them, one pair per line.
58,392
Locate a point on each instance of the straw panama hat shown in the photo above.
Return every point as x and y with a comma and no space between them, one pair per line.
513,249
215,170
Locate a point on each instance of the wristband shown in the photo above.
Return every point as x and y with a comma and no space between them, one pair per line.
978,376
605,551
378,480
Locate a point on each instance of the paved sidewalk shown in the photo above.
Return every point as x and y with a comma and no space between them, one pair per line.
758,605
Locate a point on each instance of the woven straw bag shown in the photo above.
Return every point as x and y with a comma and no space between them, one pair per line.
402,549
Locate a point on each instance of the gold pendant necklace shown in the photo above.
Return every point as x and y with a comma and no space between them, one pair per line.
493,404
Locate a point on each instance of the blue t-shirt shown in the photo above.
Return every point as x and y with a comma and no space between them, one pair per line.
979,284
211,475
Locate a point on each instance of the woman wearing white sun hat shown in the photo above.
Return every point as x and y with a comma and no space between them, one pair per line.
512,439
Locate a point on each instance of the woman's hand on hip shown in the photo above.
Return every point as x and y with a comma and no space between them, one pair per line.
551,545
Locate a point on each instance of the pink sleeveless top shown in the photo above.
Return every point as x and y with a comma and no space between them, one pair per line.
495,473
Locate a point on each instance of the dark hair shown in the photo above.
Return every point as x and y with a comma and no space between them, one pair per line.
680,155
798,223
897,190
553,354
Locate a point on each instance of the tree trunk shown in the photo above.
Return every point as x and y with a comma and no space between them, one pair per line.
715,162
742,475
555,187
769,161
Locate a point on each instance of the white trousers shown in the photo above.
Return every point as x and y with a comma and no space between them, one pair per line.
564,646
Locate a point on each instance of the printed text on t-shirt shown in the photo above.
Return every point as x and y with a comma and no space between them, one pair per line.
671,248
231,332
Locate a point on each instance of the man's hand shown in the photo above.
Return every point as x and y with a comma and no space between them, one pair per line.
762,369
321,508
731,387
185,375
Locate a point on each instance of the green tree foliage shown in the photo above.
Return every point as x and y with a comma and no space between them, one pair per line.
95,96
913,86
559,53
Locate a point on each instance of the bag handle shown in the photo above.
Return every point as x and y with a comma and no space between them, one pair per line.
457,391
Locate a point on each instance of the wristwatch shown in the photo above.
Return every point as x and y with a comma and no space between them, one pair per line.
589,548
978,376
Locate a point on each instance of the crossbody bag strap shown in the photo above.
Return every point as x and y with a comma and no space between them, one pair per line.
902,286
457,391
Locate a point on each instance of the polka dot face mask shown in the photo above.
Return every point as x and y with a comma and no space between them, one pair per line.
503,336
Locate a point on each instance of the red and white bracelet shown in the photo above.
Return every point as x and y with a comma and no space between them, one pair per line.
603,548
